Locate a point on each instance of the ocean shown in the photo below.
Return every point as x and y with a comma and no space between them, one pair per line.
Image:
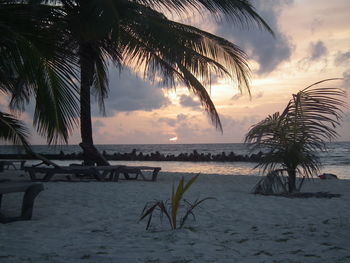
335,160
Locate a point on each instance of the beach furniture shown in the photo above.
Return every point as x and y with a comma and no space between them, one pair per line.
6,164
105,172
133,173
99,173
110,172
30,190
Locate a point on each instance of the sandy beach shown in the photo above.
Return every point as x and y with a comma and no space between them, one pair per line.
98,222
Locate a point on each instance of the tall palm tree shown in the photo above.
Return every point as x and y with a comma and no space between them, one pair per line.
136,34
36,62
293,137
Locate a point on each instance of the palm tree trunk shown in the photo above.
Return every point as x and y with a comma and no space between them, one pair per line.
91,154
291,180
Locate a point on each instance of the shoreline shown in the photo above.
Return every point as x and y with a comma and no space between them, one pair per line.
98,222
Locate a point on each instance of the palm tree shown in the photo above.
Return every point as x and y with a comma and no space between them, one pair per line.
36,62
293,137
136,34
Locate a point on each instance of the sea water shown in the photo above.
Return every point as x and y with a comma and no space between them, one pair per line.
335,160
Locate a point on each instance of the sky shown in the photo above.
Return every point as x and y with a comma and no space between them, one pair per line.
311,43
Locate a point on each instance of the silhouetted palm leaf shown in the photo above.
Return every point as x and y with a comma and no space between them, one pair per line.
36,61
13,130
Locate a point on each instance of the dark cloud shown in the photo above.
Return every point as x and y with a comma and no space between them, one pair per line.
171,122
188,101
267,50
130,93
317,50
346,76
181,117
342,58
244,122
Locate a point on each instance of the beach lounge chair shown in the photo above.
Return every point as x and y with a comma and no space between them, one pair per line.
31,190
133,173
110,172
129,172
98,172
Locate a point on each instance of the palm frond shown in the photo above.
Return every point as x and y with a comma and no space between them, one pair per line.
239,12
39,62
13,130
179,53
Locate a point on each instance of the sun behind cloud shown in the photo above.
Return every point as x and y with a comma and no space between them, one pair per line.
173,139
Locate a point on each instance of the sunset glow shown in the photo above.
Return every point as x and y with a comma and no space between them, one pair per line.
310,44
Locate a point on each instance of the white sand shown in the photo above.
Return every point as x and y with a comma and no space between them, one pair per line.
98,222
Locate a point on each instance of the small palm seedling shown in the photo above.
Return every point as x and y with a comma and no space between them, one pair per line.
170,208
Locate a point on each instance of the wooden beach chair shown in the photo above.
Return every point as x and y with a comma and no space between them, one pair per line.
98,172
110,172
129,172
31,190
133,173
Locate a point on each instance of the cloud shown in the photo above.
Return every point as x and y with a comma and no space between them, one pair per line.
130,93
181,117
316,24
265,49
188,101
237,96
171,122
342,58
317,50
346,76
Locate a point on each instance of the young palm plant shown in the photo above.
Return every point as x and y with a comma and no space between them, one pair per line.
293,138
171,209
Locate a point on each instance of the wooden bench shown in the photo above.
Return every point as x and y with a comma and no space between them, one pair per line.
137,171
30,190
